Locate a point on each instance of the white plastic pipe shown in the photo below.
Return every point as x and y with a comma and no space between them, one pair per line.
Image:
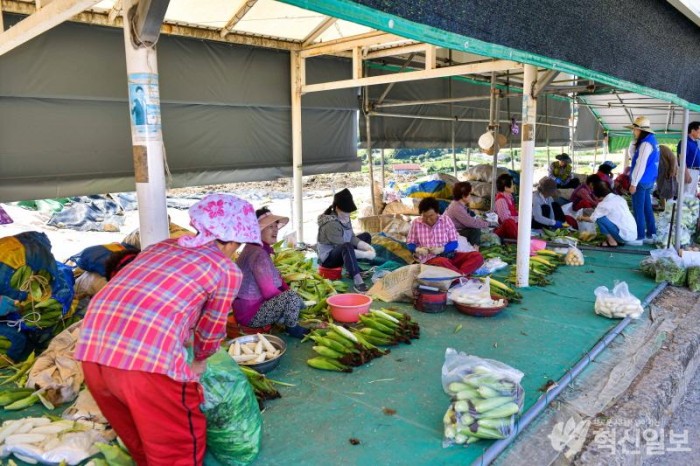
681,181
527,168
297,164
146,137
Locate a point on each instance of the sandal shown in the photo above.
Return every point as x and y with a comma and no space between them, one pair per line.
606,244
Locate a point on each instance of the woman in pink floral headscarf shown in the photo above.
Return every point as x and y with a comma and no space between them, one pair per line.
133,338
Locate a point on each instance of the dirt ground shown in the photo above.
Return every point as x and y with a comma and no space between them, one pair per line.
277,195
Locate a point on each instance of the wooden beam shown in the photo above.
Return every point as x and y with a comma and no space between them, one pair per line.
400,50
349,43
103,19
318,30
41,21
430,57
484,67
544,80
115,12
356,63
237,16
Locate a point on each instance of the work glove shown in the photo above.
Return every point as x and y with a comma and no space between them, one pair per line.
422,252
558,224
437,250
362,246
369,255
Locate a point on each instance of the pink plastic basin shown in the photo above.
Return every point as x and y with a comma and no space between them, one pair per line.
348,307
536,245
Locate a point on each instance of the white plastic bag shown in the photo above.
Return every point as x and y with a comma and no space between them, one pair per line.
618,303
490,266
574,257
486,395
469,290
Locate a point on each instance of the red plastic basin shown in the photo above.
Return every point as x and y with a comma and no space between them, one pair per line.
348,307
335,273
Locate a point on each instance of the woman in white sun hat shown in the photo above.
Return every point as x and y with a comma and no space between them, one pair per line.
644,152
264,298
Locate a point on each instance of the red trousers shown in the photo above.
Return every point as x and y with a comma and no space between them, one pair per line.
157,418
508,229
462,262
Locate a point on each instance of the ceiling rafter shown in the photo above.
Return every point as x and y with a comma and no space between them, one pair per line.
444,72
348,43
103,19
318,30
237,16
41,21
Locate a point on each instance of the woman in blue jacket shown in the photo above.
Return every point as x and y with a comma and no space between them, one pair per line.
644,152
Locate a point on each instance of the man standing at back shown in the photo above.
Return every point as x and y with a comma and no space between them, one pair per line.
692,158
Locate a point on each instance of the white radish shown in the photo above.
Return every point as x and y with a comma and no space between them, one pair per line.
259,347
246,350
236,348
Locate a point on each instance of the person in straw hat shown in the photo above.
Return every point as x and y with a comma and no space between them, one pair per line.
134,337
265,298
644,152
561,172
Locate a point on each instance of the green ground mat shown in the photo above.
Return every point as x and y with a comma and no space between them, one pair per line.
544,336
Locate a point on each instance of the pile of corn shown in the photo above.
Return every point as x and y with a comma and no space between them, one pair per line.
340,349
299,273
542,265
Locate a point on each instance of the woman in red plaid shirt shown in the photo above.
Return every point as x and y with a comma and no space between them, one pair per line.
134,336
433,240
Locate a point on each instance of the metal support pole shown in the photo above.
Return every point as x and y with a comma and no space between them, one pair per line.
526,176
546,130
146,135
469,158
371,164
383,175
297,75
681,180
454,153
493,127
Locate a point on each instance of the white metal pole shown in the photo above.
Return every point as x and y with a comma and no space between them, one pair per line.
146,136
527,168
297,78
681,181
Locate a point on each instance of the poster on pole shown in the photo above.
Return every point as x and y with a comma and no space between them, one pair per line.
144,107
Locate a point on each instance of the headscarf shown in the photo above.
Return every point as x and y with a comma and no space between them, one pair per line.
222,217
